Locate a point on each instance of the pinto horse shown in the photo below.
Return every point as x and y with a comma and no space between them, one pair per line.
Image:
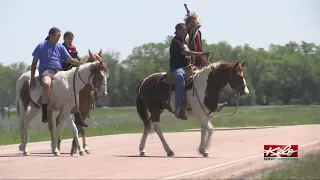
64,97
155,94
86,99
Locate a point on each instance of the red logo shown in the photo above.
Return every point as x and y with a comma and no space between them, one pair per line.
280,152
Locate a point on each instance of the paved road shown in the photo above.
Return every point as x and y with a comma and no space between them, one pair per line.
115,156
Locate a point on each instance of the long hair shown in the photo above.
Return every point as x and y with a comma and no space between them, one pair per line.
192,17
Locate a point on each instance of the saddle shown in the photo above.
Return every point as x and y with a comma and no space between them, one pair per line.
188,77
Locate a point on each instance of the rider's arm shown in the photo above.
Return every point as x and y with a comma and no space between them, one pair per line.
186,52
67,57
74,61
36,56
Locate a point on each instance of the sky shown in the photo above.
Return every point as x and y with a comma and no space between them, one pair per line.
121,25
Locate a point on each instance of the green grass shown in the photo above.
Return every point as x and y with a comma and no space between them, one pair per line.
307,167
126,120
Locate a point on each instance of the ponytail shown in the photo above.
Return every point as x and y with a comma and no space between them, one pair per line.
47,38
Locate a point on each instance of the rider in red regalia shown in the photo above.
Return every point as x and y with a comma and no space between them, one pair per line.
195,39
195,42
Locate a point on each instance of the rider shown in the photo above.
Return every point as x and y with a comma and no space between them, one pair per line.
68,38
51,55
195,43
179,59
195,39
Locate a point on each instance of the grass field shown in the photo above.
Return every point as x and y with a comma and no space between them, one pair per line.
126,120
307,167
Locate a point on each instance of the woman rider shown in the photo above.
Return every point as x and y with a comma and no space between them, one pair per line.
51,55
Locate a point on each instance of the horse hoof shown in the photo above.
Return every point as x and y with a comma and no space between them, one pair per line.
56,153
205,154
71,152
142,153
170,154
26,153
20,148
87,151
81,153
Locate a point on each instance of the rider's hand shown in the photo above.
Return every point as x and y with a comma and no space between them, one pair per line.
32,83
206,54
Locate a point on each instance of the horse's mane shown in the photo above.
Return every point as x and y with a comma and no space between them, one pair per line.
211,67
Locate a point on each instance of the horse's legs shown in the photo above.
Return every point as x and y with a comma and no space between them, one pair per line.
28,118
82,131
143,142
209,135
50,126
155,117
59,138
22,115
203,139
166,147
63,116
75,131
206,133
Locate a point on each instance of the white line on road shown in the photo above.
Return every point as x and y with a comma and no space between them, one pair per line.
225,164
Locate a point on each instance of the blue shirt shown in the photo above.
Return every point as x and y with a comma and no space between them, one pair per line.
51,56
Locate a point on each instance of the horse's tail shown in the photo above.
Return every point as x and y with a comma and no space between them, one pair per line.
142,109
17,106
21,110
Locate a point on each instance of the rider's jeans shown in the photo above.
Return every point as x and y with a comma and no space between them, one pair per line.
178,75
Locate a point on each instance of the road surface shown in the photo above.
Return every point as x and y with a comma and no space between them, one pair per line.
116,156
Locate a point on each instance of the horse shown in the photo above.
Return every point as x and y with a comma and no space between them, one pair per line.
155,93
64,96
86,99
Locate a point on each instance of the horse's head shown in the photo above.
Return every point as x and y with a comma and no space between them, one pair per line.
237,80
99,74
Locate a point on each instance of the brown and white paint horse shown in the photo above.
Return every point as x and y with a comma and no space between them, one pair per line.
87,95
202,96
64,96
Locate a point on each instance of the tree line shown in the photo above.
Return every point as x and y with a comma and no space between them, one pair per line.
282,74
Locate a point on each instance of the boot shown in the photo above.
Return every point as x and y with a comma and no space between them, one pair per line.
180,113
78,120
221,106
44,113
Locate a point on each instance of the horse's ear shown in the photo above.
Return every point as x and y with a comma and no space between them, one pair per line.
99,59
244,62
236,65
100,53
91,55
